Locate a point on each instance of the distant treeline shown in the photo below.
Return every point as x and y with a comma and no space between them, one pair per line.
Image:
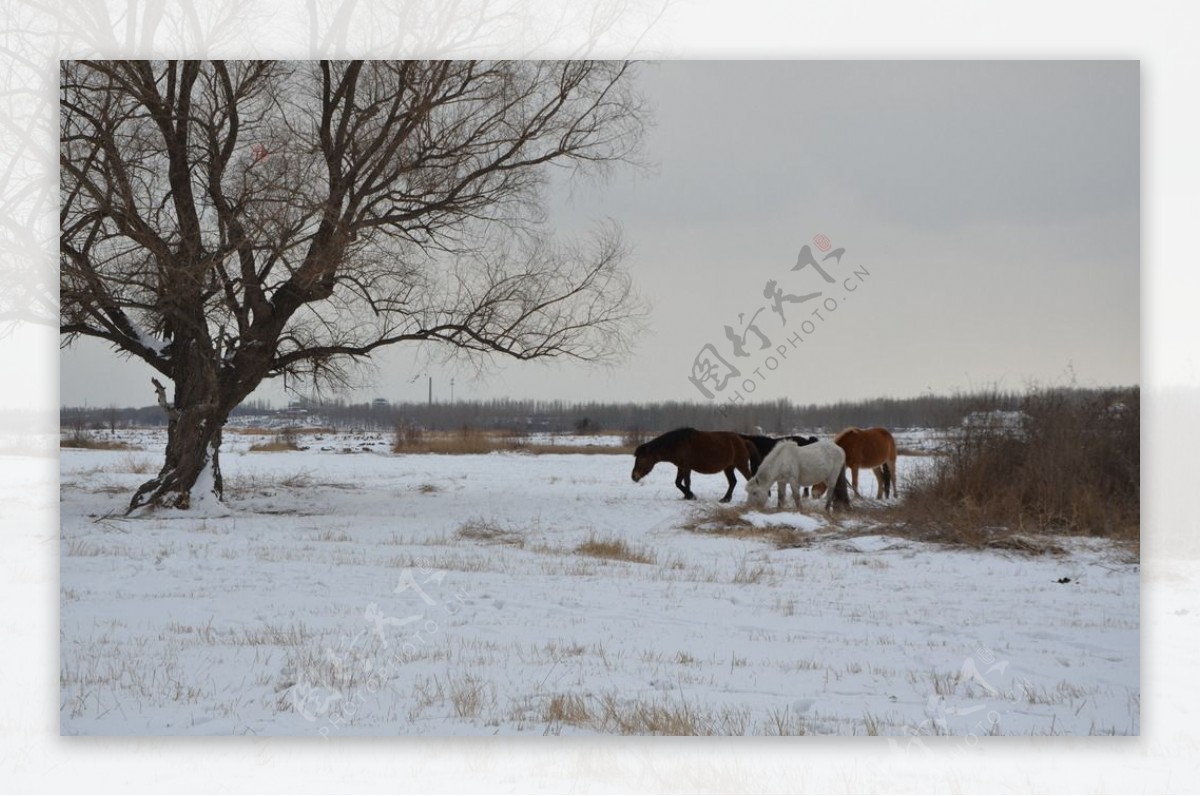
930,411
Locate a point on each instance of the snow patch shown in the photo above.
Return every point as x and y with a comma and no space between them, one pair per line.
474,635
204,501
155,344
874,544
802,522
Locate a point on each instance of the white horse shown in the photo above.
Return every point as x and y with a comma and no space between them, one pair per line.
788,464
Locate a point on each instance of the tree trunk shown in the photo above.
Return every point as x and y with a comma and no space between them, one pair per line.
192,470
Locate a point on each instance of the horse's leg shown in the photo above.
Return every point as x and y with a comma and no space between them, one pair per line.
831,488
839,492
892,476
781,487
744,463
854,480
881,481
796,494
684,481
732,482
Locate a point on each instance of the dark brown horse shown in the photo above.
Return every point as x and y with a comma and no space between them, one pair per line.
702,451
869,447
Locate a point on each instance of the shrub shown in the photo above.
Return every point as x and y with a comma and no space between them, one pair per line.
79,438
1071,465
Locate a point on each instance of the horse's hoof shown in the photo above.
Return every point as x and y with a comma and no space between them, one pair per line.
723,500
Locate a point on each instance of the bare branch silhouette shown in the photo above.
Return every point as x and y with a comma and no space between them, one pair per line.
230,222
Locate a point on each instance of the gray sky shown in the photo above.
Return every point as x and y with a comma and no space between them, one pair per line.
994,204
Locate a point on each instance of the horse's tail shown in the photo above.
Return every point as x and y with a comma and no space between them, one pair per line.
889,466
755,456
886,469
841,495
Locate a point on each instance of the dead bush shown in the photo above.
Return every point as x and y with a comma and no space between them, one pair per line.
285,439
78,438
466,440
1071,465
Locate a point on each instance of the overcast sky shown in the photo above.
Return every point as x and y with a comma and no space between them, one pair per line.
991,211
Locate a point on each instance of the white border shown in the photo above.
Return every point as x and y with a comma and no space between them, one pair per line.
1161,36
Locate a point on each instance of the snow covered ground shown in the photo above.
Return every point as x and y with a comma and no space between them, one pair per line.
375,594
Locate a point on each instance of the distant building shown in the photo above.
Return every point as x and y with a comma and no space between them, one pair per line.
381,403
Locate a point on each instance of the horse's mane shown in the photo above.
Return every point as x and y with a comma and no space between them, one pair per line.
776,451
761,442
663,440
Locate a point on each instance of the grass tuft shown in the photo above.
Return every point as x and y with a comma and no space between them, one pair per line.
615,549
489,532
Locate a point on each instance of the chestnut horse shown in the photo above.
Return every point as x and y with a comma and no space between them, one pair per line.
870,447
702,451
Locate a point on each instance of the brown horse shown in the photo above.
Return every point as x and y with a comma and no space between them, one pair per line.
702,451
871,447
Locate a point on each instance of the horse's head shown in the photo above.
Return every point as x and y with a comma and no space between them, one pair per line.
818,489
756,493
643,463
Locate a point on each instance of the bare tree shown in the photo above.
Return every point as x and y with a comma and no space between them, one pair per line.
233,222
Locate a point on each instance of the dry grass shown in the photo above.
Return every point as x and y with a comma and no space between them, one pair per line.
730,521
332,535
1029,545
248,485
609,714
467,440
287,439
136,465
944,683
81,547
871,724
567,709
1072,468
274,446
615,549
489,532
542,450
469,695
81,439
751,572
262,431
785,723
923,522
296,634
667,716
664,717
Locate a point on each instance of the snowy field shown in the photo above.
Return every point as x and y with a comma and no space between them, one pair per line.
368,593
